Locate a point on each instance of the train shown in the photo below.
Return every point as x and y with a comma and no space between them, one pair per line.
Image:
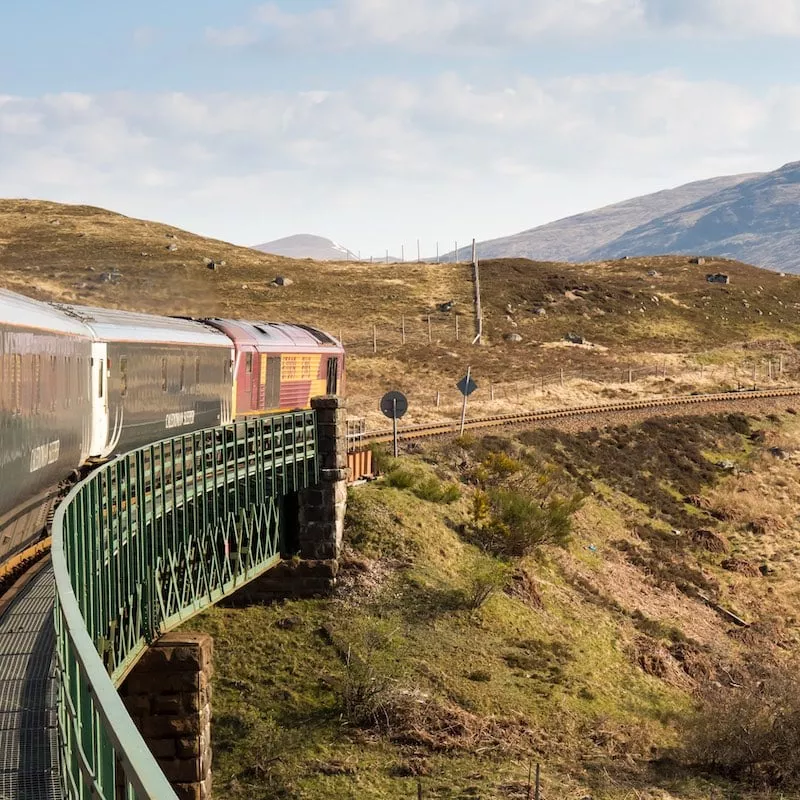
79,385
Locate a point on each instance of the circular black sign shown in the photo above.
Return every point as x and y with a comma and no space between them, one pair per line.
394,405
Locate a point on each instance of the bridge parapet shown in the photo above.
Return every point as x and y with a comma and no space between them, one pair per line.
144,543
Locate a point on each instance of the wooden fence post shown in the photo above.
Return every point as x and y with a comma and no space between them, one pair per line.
430,338
456,318
374,338
403,329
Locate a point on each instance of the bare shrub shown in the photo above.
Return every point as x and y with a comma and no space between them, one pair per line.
709,541
484,579
363,692
752,732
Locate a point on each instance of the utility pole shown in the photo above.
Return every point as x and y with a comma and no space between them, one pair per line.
403,253
455,253
437,252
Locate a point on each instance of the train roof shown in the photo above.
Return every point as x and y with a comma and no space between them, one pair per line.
275,335
109,325
18,310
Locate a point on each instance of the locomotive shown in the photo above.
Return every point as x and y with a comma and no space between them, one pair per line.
81,384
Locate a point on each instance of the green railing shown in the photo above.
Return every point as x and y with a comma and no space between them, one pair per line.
141,545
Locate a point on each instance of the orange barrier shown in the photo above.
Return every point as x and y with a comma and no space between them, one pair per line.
359,465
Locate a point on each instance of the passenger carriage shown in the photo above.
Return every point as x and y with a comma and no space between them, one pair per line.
45,412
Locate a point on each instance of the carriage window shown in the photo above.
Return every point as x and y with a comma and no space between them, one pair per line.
163,374
183,374
123,378
17,382
37,382
67,382
54,382
248,364
100,376
197,374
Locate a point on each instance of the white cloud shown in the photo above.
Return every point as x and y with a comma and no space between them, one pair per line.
437,157
437,24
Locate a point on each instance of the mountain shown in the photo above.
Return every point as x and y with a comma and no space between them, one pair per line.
753,218
304,245
575,238
756,221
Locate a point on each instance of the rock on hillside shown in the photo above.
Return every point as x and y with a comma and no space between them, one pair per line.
757,221
304,245
575,238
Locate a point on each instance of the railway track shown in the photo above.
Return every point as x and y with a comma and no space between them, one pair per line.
532,417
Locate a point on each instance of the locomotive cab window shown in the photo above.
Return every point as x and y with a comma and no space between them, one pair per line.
248,363
332,376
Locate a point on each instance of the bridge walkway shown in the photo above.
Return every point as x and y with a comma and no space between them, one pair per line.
28,720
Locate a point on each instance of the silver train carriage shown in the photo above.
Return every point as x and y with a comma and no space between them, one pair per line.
45,413
153,377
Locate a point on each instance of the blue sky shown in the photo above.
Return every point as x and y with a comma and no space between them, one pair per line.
375,122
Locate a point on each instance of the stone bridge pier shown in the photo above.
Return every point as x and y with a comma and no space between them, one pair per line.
311,556
168,693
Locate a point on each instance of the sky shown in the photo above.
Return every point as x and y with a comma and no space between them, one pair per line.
380,122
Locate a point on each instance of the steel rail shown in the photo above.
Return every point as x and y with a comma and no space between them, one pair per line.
499,420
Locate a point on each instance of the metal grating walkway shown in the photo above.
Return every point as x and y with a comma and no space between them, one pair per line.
28,732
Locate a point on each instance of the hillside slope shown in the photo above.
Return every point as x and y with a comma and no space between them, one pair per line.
632,314
469,640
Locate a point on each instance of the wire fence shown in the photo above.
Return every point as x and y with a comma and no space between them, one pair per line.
576,386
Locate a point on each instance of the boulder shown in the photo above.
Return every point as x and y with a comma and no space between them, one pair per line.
280,280
512,337
574,338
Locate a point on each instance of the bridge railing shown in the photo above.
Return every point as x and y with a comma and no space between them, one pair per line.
141,545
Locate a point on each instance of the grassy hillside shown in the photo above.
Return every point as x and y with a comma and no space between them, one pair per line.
631,313
456,650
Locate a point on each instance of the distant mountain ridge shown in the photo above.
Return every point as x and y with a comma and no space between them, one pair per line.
305,245
753,217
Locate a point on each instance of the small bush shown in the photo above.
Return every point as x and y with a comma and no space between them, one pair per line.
434,491
484,579
363,692
381,459
267,742
518,523
501,464
401,478
751,732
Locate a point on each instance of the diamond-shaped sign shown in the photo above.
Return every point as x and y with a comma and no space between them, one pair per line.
466,386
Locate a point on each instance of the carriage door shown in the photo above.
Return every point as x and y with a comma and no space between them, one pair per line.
332,376
99,398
